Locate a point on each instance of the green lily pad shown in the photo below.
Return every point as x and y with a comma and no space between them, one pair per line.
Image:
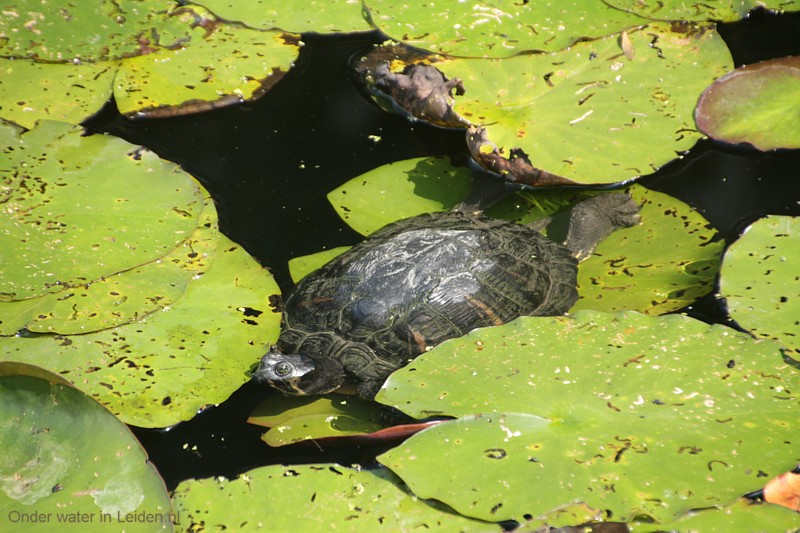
296,419
298,16
300,267
760,280
489,29
318,497
89,31
120,298
68,92
230,65
88,208
723,10
162,369
399,190
740,516
593,407
591,113
172,60
662,265
497,30
757,104
67,460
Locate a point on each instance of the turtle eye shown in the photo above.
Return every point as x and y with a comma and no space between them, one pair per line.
283,369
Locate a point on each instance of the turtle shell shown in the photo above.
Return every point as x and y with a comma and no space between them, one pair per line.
429,278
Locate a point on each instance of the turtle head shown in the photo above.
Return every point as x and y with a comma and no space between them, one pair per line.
298,374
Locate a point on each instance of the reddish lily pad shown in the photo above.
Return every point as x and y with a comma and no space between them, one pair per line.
757,104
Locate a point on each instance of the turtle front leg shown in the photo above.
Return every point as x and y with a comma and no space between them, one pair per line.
594,219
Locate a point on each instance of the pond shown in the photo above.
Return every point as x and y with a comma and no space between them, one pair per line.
269,164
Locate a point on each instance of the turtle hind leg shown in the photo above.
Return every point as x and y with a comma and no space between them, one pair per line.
596,218
368,388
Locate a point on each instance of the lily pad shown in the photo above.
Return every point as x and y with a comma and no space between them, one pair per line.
296,419
81,208
120,298
723,10
228,66
298,16
89,31
171,60
323,495
739,516
599,112
31,91
760,280
300,267
67,461
162,369
400,190
757,104
492,29
504,29
597,425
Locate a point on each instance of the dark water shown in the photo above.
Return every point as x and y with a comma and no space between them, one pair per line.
270,163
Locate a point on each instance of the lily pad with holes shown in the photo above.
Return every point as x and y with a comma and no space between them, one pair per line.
163,368
77,209
760,280
597,425
270,497
600,112
67,460
399,190
659,266
32,91
724,10
757,104
157,58
229,65
505,29
294,419
89,31
298,16
491,29
120,298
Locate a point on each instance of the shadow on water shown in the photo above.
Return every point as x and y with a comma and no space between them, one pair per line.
269,165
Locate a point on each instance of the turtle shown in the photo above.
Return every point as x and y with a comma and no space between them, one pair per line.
425,279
